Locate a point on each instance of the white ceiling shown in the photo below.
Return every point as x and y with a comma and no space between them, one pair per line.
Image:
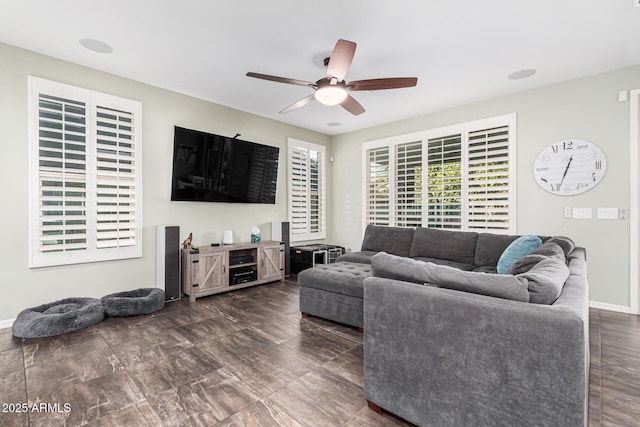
461,51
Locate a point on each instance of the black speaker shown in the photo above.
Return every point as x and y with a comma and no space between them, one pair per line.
168,261
280,232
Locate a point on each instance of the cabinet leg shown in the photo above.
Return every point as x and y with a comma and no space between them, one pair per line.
305,314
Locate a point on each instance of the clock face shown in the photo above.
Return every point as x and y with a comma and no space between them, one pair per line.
569,167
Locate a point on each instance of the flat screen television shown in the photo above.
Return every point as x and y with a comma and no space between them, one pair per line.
216,168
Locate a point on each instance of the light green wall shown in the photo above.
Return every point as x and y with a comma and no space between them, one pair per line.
161,110
586,109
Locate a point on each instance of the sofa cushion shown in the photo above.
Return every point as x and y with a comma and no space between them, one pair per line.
548,249
454,264
363,257
520,247
546,280
565,243
410,270
490,247
551,250
394,240
341,278
459,246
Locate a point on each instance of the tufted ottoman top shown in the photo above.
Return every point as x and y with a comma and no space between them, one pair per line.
341,277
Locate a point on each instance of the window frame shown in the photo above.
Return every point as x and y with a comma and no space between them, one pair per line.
464,130
93,101
295,236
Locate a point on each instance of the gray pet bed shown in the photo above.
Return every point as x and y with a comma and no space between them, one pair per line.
133,303
59,317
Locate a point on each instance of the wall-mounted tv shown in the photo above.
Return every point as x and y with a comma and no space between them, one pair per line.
216,168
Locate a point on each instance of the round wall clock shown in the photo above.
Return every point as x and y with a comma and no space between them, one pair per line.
569,167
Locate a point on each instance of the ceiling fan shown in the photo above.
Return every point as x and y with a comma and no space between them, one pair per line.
333,89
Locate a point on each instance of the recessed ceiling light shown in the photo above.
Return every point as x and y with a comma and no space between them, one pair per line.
522,74
96,45
333,124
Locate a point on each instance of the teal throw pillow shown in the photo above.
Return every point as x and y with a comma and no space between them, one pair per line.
520,247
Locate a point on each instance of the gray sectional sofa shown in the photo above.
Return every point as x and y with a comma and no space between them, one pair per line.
447,342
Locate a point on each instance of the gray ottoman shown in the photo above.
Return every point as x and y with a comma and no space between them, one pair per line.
334,291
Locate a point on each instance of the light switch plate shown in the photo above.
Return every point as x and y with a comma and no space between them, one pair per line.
607,213
582,213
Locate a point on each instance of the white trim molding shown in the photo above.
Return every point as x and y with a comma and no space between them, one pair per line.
609,307
634,201
4,324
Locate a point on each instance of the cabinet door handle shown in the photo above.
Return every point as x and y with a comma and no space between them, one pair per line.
224,268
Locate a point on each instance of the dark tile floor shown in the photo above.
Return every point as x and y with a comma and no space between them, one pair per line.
244,358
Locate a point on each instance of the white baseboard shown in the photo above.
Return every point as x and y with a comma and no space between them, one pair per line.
610,307
6,323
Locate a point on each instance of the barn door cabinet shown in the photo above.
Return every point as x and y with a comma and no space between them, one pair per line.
215,269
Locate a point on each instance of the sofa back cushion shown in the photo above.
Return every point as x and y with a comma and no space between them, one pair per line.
546,280
393,240
410,270
549,249
565,243
459,246
490,247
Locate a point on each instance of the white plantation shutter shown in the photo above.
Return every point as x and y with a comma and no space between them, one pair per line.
489,195
61,175
116,178
376,186
316,196
444,182
408,184
459,177
299,195
306,190
84,194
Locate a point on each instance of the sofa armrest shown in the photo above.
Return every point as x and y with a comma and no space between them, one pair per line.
442,357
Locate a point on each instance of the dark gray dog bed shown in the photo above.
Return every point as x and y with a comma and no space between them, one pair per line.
133,303
59,317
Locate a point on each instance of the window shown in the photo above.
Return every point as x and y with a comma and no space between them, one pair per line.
458,177
85,175
306,190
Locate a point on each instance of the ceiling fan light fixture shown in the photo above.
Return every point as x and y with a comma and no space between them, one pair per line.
331,94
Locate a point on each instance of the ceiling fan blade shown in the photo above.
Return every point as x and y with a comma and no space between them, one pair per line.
388,83
304,101
280,79
340,59
351,105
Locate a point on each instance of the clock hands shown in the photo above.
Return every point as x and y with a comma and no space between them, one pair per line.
565,172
